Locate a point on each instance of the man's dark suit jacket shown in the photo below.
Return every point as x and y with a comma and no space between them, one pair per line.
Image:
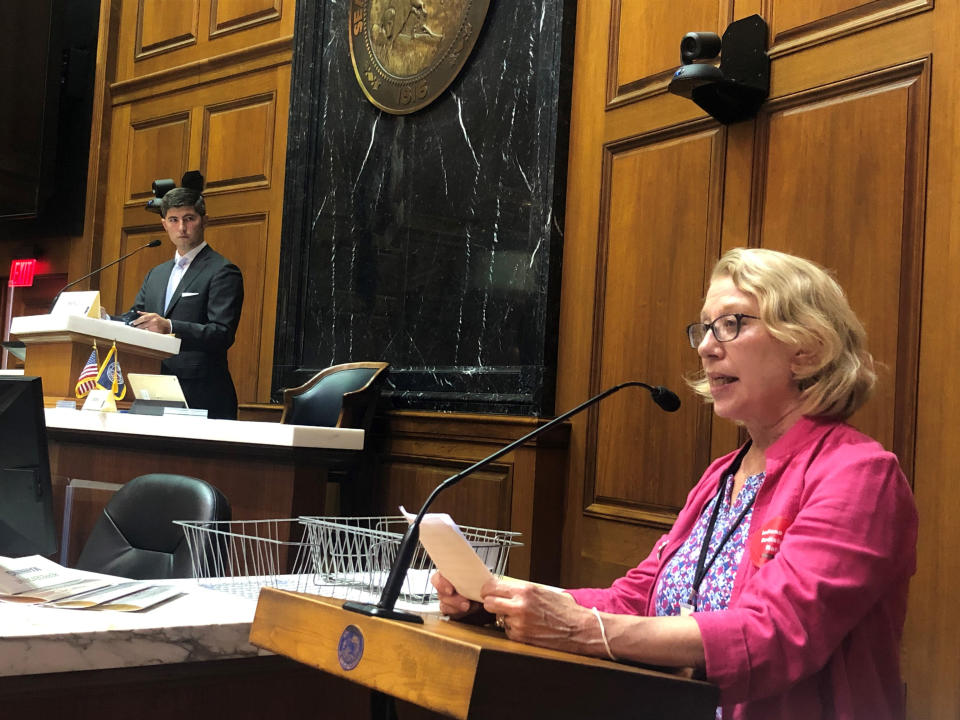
205,313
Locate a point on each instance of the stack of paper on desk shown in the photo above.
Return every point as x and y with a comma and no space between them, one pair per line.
38,581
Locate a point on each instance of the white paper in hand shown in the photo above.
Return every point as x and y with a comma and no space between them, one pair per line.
452,554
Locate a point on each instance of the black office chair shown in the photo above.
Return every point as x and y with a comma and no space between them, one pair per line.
135,536
343,396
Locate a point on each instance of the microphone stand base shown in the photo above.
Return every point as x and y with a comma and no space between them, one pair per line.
386,613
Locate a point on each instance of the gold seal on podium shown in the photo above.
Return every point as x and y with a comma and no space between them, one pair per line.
406,52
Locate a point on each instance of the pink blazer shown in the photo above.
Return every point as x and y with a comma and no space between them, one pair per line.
817,610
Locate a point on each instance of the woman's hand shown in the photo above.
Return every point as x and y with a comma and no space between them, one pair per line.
539,615
456,605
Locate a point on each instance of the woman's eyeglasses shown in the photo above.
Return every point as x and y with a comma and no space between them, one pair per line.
725,328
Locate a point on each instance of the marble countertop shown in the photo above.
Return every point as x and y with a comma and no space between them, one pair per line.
198,428
200,625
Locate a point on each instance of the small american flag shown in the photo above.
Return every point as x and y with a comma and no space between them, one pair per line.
88,376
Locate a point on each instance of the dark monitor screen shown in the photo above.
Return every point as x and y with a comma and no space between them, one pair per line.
26,501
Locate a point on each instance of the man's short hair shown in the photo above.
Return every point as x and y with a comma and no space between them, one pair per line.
182,197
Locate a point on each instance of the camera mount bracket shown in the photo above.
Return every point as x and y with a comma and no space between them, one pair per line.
736,89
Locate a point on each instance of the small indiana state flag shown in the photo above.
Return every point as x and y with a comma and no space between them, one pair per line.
88,376
110,377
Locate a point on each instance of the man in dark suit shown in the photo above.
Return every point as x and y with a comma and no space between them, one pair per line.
197,296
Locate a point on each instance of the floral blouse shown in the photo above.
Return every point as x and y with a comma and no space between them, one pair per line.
676,580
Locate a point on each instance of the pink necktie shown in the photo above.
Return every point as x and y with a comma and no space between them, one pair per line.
178,269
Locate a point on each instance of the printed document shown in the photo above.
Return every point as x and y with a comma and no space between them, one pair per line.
452,554
38,581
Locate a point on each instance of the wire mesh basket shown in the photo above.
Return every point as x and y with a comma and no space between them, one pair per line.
343,557
353,555
242,556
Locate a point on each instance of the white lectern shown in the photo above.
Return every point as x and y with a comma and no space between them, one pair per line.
58,347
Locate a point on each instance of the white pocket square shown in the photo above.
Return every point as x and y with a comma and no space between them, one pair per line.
186,294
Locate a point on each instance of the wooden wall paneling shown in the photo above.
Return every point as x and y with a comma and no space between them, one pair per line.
537,509
197,117
239,688
871,189
246,123
598,125
483,501
409,472
260,274
250,119
84,253
746,8
274,205
740,161
163,26
523,491
851,55
642,62
244,240
232,15
116,190
849,163
131,272
931,637
578,283
660,223
610,549
241,182
155,145
159,147
795,25
219,68
159,36
234,132
260,482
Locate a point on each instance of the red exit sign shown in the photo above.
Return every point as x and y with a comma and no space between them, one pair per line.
21,272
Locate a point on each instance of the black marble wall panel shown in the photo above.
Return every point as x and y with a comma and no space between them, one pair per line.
431,240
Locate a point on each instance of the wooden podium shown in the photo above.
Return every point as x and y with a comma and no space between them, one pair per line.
58,347
462,671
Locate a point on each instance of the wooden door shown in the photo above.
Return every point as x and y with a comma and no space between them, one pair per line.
846,164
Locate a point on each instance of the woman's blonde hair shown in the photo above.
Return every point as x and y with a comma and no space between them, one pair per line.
803,306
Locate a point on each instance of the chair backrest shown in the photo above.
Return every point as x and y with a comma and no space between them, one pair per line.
340,396
135,536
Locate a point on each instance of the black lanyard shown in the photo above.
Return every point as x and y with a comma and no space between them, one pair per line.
703,567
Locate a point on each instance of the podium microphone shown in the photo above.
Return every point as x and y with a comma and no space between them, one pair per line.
663,397
151,244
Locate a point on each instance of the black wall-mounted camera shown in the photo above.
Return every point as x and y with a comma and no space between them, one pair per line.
699,46
736,89
192,179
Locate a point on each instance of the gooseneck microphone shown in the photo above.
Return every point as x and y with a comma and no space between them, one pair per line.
151,244
663,397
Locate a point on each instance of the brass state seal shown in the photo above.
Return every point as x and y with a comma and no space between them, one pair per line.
406,52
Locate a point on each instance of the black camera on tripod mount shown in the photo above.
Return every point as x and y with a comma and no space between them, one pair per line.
192,179
735,89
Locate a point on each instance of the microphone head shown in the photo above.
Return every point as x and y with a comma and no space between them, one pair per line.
666,399
153,243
